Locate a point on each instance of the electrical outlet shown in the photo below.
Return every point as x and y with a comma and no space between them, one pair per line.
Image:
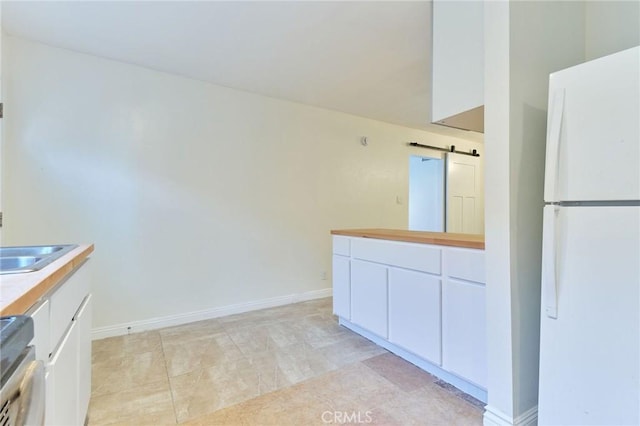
323,275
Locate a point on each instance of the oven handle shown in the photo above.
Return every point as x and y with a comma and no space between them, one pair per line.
32,395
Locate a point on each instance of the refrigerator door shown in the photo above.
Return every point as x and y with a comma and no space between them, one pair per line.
590,353
593,132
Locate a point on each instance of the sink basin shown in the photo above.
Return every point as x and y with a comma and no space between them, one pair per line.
16,260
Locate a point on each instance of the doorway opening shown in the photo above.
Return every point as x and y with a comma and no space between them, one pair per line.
426,194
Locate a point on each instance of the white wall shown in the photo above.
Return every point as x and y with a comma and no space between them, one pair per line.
196,196
611,26
525,41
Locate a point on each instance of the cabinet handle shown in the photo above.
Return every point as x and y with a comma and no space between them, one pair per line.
549,284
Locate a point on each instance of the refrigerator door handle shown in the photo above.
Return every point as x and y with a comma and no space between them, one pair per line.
556,109
549,284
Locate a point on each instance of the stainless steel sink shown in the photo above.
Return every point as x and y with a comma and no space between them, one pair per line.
16,260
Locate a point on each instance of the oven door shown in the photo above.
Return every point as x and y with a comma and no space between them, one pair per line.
23,395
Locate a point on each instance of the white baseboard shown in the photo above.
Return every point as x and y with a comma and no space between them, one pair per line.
178,319
494,417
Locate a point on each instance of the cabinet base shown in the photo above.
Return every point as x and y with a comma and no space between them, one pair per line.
469,388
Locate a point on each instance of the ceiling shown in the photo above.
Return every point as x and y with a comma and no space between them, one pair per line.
366,58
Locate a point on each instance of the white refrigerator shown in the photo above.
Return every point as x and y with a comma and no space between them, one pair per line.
590,318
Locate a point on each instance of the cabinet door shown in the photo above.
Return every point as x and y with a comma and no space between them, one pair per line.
457,63
64,368
414,312
341,287
369,296
66,299
83,322
464,350
40,316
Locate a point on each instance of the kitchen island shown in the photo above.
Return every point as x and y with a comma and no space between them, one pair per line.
421,295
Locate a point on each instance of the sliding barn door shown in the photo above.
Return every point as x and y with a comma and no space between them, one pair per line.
464,198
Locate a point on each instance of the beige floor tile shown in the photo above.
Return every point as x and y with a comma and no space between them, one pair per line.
197,353
402,373
319,331
119,373
303,404
350,350
277,314
290,365
270,409
147,404
209,389
354,387
432,405
155,419
183,334
131,344
266,337
252,319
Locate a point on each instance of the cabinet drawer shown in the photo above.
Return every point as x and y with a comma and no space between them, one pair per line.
419,257
341,245
65,301
466,264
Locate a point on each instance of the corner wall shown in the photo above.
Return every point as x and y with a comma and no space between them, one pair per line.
196,196
525,41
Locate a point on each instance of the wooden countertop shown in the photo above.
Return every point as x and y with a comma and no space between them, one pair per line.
18,292
440,238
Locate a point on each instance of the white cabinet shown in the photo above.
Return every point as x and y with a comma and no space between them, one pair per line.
458,64
40,315
341,277
369,296
63,379
423,302
62,336
341,286
414,313
341,245
464,331
65,301
83,321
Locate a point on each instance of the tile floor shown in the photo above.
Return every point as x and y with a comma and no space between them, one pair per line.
290,365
